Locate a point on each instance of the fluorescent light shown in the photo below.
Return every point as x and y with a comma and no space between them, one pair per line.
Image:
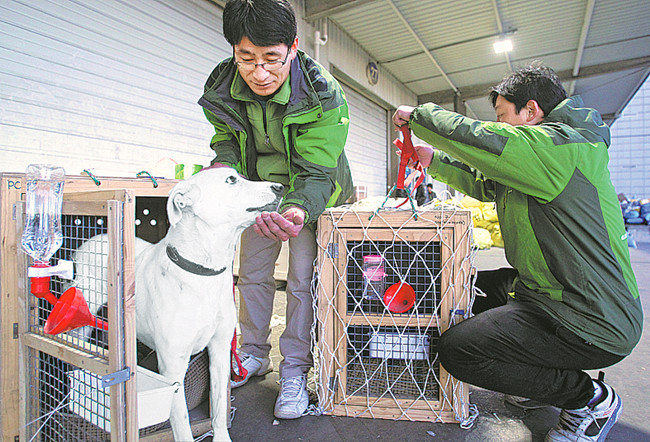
504,45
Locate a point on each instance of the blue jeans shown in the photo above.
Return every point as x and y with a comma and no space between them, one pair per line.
516,348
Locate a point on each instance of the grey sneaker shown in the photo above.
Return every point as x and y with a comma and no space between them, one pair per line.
590,423
523,403
255,367
293,398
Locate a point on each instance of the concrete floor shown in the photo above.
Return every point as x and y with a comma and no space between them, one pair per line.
254,420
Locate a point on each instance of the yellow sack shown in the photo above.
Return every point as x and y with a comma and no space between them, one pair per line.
495,234
469,202
482,238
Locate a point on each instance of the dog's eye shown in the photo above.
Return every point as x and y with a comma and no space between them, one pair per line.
231,179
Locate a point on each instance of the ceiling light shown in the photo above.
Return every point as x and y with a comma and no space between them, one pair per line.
503,45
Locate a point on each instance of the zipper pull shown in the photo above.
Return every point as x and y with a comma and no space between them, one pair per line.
267,140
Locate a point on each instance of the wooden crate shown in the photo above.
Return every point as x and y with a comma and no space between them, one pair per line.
139,193
376,363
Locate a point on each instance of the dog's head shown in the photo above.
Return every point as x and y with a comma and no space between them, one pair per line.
221,197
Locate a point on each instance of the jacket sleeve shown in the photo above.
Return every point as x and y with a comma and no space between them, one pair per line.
224,143
314,157
526,158
461,177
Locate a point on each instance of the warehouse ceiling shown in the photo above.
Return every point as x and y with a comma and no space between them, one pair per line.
441,49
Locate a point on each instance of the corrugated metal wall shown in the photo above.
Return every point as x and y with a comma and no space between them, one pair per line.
366,146
107,85
111,86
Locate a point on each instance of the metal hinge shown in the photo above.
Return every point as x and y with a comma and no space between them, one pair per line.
333,250
334,382
117,377
15,330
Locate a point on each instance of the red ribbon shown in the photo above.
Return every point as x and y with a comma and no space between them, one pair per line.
408,153
241,372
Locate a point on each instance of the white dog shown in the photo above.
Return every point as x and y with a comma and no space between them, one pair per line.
184,283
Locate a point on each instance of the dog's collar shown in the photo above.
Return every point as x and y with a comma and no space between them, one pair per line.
190,266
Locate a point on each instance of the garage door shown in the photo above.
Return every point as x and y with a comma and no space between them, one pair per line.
106,85
367,145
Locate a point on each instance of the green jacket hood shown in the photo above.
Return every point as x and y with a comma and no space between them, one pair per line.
572,112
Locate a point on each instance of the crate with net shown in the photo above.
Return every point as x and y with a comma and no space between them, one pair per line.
388,283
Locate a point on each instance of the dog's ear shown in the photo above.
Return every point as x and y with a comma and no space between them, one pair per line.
180,198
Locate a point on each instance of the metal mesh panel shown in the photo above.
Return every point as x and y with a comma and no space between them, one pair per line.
414,262
91,278
384,359
65,403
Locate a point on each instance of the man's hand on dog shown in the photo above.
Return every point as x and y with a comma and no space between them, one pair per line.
281,227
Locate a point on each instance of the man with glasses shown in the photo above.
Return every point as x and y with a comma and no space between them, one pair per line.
278,116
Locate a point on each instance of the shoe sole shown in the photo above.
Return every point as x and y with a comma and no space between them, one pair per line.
234,384
290,415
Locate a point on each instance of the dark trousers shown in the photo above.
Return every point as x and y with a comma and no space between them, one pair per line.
516,348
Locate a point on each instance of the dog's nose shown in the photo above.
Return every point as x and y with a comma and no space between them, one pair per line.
277,189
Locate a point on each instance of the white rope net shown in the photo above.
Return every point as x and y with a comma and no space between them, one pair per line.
375,349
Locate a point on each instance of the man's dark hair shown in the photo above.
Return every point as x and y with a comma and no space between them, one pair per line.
264,22
533,82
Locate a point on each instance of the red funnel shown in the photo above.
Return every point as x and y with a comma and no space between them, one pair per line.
70,312
399,297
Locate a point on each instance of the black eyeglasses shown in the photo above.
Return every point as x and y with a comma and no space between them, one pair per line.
269,66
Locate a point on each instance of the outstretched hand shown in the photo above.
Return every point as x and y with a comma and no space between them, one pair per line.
280,227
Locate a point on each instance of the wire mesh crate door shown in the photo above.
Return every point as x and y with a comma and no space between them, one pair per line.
70,402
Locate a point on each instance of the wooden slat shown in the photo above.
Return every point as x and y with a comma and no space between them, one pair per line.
81,208
11,283
21,311
325,314
115,287
128,285
444,416
72,355
392,219
391,320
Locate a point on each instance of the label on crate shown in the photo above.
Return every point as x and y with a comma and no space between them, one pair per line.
408,346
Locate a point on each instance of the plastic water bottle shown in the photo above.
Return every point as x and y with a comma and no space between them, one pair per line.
42,236
373,277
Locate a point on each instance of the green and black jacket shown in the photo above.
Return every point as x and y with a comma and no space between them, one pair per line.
559,214
314,129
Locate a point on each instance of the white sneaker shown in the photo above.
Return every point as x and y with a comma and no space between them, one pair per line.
293,398
590,423
254,365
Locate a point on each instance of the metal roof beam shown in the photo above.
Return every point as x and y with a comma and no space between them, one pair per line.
315,9
421,44
454,91
500,26
586,23
482,90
